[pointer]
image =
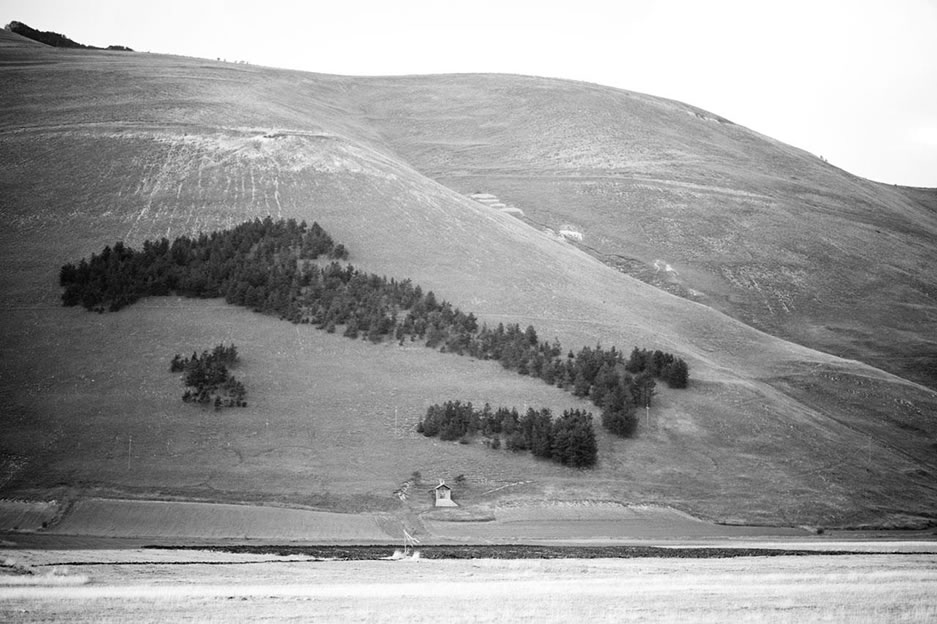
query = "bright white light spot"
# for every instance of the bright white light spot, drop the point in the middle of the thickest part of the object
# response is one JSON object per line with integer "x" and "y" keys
{"x": 926, "y": 135}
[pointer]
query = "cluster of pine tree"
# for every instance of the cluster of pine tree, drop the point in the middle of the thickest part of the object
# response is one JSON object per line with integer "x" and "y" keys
{"x": 247, "y": 264}
{"x": 207, "y": 379}
{"x": 372, "y": 307}
{"x": 269, "y": 267}
{"x": 569, "y": 439}
{"x": 376, "y": 308}
{"x": 614, "y": 385}
{"x": 662, "y": 365}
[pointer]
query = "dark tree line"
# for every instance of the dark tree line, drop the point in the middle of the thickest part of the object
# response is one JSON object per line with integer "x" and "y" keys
{"x": 55, "y": 39}
{"x": 247, "y": 263}
{"x": 207, "y": 380}
{"x": 662, "y": 365}
{"x": 269, "y": 266}
{"x": 568, "y": 440}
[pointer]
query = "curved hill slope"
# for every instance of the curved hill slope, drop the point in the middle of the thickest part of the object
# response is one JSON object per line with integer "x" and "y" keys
{"x": 103, "y": 146}
{"x": 691, "y": 202}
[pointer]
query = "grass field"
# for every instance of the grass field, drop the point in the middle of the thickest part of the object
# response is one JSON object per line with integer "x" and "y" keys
{"x": 99, "y": 147}
{"x": 153, "y": 586}
{"x": 330, "y": 423}
{"x": 478, "y": 523}
{"x": 300, "y": 440}
{"x": 183, "y": 520}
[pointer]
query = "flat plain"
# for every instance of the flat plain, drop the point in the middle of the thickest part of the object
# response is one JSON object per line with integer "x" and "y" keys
{"x": 172, "y": 586}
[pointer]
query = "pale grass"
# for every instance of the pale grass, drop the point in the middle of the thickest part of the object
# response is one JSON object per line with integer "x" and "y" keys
{"x": 43, "y": 580}
{"x": 859, "y": 588}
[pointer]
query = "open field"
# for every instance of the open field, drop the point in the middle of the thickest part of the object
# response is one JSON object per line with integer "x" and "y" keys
{"x": 156, "y": 586}
{"x": 330, "y": 425}
{"x": 591, "y": 522}
{"x": 165, "y": 521}
{"x": 480, "y": 531}
{"x": 330, "y": 421}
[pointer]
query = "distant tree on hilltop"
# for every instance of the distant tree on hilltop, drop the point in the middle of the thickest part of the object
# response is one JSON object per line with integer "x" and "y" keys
{"x": 54, "y": 39}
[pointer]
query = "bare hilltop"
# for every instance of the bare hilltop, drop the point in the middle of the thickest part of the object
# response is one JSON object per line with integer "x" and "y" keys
{"x": 803, "y": 297}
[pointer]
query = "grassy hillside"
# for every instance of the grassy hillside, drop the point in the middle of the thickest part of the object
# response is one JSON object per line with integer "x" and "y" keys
{"x": 691, "y": 202}
{"x": 103, "y": 146}
{"x": 44, "y": 37}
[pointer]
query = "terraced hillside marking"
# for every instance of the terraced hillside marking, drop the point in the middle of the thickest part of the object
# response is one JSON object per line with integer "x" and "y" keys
{"x": 492, "y": 201}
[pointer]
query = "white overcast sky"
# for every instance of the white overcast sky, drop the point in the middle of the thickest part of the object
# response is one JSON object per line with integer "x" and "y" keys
{"x": 852, "y": 80}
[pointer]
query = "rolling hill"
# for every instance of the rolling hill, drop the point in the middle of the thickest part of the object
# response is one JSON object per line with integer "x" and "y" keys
{"x": 54, "y": 39}
{"x": 779, "y": 264}
{"x": 690, "y": 202}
